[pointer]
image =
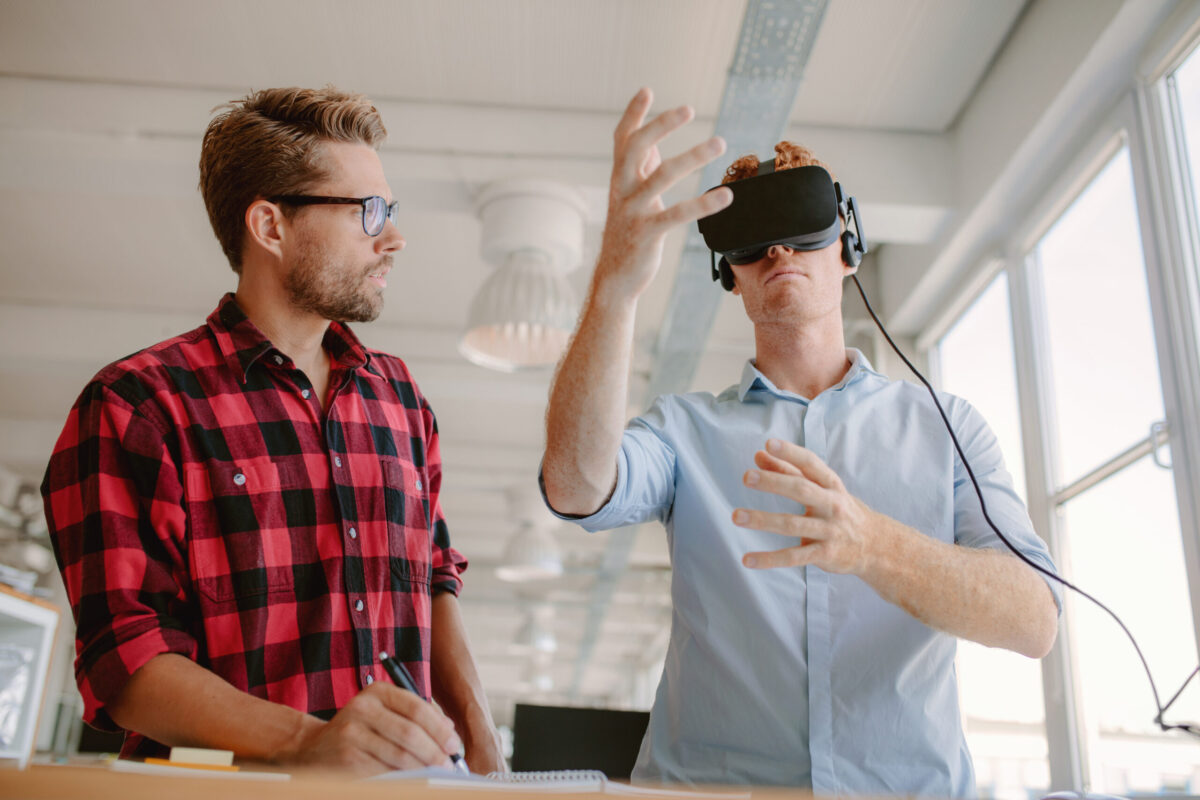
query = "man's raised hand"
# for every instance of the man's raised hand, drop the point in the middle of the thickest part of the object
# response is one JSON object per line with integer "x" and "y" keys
{"x": 638, "y": 222}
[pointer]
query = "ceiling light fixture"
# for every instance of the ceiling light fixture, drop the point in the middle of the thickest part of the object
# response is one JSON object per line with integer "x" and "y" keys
{"x": 523, "y": 314}
{"x": 536, "y": 634}
{"x": 532, "y": 554}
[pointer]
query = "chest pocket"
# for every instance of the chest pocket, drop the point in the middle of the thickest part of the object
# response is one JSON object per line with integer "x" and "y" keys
{"x": 410, "y": 540}
{"x": 240, "y": 542}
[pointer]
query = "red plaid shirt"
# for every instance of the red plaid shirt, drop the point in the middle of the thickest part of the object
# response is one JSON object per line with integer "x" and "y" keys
{"x": 201, "y": 502}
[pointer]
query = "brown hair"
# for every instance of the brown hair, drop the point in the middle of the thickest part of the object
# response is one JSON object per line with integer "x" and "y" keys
{"x": 787, "y": 156}
{"x": 269, "y": 143}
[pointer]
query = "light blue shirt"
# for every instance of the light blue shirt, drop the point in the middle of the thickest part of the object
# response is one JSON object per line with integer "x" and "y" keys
{"x": 797, "y": 676}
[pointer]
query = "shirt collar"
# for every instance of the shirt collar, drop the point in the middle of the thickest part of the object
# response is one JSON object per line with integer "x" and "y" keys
{"x": 753, "y": 380}
{"x": 242, "y": 344}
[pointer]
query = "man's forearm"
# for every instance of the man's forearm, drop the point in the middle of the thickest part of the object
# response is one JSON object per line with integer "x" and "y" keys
{"x": 588, "y": 405}
{"x": 457, "y": 687}
{"x": 590, "y": 392}
{"x": 988, "y": 597}
{"x": 174, "y": 700}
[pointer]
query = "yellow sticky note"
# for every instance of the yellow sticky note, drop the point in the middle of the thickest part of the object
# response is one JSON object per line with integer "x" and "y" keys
{"x": 200, "y": 755}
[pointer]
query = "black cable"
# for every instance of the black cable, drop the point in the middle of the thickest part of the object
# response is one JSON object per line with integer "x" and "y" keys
{"x": 1158, "y": 719}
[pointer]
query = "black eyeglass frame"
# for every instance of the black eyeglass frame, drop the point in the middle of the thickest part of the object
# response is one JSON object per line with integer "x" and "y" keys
{"x": 393, "y": 208}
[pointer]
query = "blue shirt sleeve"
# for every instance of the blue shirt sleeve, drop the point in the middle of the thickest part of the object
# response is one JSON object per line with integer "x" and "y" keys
{"x": 645, "y": 487}
{"x": 1004, "y": 505}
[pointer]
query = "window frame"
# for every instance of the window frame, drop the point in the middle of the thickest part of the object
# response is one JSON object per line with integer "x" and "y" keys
{"x": 1145, "y": 119}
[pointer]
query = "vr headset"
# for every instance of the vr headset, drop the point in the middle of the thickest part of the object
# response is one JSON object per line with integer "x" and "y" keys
{"x": 799, "y": 208}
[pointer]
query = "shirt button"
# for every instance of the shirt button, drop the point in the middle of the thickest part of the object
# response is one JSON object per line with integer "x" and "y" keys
{"x": 353, "y": 533}
{"x": 278, "y": 359}
{"x": 305, "y": 393}
{"x": 358, "y": 606}
{"x": 418, "y": 484}
{"x": 369, "y": 679}
{"x": 239, "y": 479}
{"x": 337, "y": 461}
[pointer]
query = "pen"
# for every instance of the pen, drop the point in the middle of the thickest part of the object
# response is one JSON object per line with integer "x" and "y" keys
{"x": 401, "y": 677}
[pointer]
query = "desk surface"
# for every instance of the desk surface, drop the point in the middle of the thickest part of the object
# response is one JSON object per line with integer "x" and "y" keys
{"x": 72, "y": 782}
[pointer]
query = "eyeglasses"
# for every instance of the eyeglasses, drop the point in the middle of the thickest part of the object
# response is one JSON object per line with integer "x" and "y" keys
{"x": 375, "y": 210}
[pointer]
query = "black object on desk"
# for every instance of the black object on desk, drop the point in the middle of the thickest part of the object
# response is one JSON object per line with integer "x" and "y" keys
{"x": 561, "y": 737}
{"x": 400, "y": 676}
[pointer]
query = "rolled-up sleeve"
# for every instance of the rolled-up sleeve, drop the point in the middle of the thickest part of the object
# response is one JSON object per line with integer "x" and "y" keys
{"x": 112, "y": 495}
{"x": 1004, "y": 505}
{"x": 448, "y": 563}
{"x": 645, "y": 487}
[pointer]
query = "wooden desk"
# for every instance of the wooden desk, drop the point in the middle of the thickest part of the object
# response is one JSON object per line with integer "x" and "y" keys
{"x": 71, "y": 782}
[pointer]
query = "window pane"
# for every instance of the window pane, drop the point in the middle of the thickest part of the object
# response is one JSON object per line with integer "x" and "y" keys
{"x": 1001, "y": 692}
{"x": 976, "y": 363}
{"x": 1187, "y": 86}
{"x": 1125, "y": 548}
{"x": 1103, "y": 364}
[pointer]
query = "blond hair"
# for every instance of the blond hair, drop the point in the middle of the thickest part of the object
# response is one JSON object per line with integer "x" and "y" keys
{"x": 269, "y": 143}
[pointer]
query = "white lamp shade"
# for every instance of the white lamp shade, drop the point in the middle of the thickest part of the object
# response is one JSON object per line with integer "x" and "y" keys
{"x": 535, "y": 636}
{"x": 521, "y": 317}
{"x": 532, "y": 554}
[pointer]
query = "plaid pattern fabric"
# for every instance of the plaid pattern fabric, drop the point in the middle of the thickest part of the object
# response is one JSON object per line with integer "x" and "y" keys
{"x": 201, "y": 502}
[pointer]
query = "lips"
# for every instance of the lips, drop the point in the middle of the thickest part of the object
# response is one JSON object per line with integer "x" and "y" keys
{"x": 785, "y": 272}
{"x": 379, "y": 275}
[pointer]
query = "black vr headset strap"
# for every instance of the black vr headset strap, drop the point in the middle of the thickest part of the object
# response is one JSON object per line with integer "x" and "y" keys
{"x": 854, "y": 246}
{"x": 722, "y": 272}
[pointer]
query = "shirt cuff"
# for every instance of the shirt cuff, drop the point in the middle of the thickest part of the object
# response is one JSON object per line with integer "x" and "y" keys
{"x": 596, "y": 520}
{"x": 103, "y": 676}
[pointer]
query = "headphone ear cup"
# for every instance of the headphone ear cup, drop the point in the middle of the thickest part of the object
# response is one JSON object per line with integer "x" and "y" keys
{"x": 850, "y": 254}
{"x": 726, "y": 275}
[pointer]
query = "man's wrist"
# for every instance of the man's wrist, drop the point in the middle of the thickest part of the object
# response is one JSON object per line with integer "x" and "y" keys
{"x": 304, "y": 730}
{"x": 885, "y": 551}
{"x": 610, "y": 293}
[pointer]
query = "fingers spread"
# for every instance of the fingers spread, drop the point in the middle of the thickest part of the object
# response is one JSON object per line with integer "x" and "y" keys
{"x": 631, "y": 153}
{"x": 788, "y": 557}
{"x": 767, "y": 461}
{"x": 804, "y": 459}
{"x": 634, "y": 114}
{"x": 792, "y": 486}
{"x": 673, "y": 169}
{"x": 694, "y": 208}
{"x": 803, "y": 528}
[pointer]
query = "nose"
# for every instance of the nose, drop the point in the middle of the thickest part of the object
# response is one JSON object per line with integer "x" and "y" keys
{"x": 778, "y": 251}
{"x": 389, "y": 239}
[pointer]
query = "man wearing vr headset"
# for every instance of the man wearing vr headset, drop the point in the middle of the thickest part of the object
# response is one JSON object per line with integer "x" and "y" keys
{"x": 826, "y": 545}
{"x": 246, "y": 515}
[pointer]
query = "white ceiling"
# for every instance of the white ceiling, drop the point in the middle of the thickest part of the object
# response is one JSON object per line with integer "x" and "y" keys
{"x": 106, "y": 246}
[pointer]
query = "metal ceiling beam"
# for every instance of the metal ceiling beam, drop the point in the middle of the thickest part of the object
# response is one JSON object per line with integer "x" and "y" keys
{"x": 764, "y": 78}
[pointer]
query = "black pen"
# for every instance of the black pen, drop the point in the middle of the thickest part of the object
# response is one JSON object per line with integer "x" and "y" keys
{"x": 400, "y": 676}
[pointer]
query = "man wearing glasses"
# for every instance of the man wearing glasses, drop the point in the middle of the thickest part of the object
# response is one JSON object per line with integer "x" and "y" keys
{"x": 246, "y": 515}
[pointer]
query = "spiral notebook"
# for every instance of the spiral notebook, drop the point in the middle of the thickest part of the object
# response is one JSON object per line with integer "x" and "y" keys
{"x": 567, "y": 780}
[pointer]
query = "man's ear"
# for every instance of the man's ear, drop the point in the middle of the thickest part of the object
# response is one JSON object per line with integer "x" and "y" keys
{"x": 265, "y": 225}
{"x": 736, "y": 290}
